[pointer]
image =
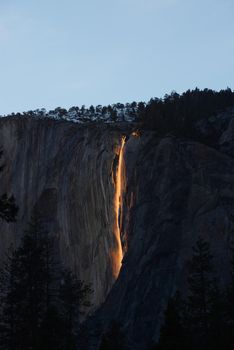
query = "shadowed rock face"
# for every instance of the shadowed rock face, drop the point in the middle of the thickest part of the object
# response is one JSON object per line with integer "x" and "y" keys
{"x": 64, "y": 171}
{"x": 175, "y": 191}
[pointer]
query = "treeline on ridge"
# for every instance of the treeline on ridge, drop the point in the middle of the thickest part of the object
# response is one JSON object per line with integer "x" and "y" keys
{"x": 174, "y": 113}
{"x": 178, "y": 114}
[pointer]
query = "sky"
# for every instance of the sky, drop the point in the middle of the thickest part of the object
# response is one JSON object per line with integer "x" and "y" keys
{"x": 72, "y": 52}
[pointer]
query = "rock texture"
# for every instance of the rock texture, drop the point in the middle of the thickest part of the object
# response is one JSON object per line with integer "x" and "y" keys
{"x": 64, "y": 171}
{"x": 175, "y": 190}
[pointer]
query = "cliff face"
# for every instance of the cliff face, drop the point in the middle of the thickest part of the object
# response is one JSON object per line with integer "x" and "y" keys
{"x": 176, "y": 191}
{"x": 64, "y": 171}
{"x": 173, "y": 191}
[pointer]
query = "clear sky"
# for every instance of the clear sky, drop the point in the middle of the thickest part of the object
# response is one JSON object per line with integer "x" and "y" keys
{"x": 73, "y": 52}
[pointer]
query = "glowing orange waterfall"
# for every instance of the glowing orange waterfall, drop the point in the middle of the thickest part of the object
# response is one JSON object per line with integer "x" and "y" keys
{"x": 117, "y": 253}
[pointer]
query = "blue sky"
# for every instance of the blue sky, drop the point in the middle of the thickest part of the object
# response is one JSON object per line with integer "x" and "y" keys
{"x": 73, "y": 52}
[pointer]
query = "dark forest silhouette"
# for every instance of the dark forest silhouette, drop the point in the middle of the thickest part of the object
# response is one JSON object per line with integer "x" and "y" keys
{"x": 40, "y": 302}
{"x": 204, "y": 317}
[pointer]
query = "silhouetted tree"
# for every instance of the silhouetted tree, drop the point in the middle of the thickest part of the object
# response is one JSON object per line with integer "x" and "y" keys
{"x": 173, "y": 331}
{"x": 178, "y": 114}
{"x": 74, "y": 295}
{"x": 104, "y": 110}
{"x": 198, "y": 320}
{"x": 217, "y": 336}
{"x": 91, "y": 109}
{"x": 8, "y": 207}
{"x": 9, "y": 302}
{"x": 35, "y": 312}
{"x": 32, "y": 286}
{"x": 200, "y": 292}
{"x": 60, "y": 111}
{"x": 113, "y": 113}
{"x": 114, "y": 338}
{"x": 230, "y": 305}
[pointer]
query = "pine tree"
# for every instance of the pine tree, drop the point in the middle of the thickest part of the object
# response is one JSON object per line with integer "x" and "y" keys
{"x": 114, "y": 338}
{"x": 74, "y": 296}
{"x": 9, "y": 301}
{"x": 200, "y": 292}
{"x": 40, "y": 305}
{"x": 230, "y": 305}
{"x": 198, "y": 321}
{"x": 216, "y": 337}
{"x": 113, "y": 115}
{"x": 173, "y": 333}
{"x": 8, "y": 207}
{"x": 26, "y": 286}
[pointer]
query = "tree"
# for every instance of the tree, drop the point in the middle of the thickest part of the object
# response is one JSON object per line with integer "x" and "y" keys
{"x": 61, "y": 112}
{"x": 114, "y": 338}
{"x": 113, "y": 115}
{"x": 98, "y": 109}
{"x": 8, "y": 207}
{"x": 179, "y": 114}
{"x": 33, "y": 314}
{"x": 140, "y": 111}
{"x": 201, "y": 293}
{"x": 74, "y": 295}
{"x": 92, "y": 109}
{"x": 217, "y": 336}
{"x": 173, "y": 333}
{"x": 200, "y": 320}
{"x": 27, "y": 288}
{"x": 9, "y": 306}
{"x": 82, "y": 110}
{"x": 230, "y": 304}
{"x": 104, "y": 110}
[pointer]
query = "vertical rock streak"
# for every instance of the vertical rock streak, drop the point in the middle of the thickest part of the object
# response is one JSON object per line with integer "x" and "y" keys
{"x": 117, "y": 253}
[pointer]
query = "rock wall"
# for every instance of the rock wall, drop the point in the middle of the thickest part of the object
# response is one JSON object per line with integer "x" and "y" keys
{"x": 175, "y": 190}
{"x": 65, "y": 171}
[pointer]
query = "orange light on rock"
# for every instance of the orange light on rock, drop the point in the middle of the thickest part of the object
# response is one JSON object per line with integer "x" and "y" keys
{"x": 117, "y": 253}
{"x": 136, "y": 133}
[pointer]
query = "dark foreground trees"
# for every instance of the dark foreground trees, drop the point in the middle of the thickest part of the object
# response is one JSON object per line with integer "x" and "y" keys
{"x": 8, "y": 207}
{"x": 114, "y": 338}
{"x": 229, "y": 305}
{"x": 40, "y": 303}
{"x": 172, "y": 334}
{"x": 201, "y": 291}
{"x": 203, "y": 319}
{"x": 74, "y": 298}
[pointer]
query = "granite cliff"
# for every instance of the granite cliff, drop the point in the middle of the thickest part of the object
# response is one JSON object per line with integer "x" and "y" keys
{"x": 65, "y": 172}
{"x": 172, "y": 190}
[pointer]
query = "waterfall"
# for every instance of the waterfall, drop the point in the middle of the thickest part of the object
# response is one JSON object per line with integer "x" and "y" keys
{"x": 117, "y": 253}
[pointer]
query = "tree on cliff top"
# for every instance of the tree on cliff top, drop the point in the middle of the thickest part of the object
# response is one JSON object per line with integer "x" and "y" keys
{"x": 178, "y": 114}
